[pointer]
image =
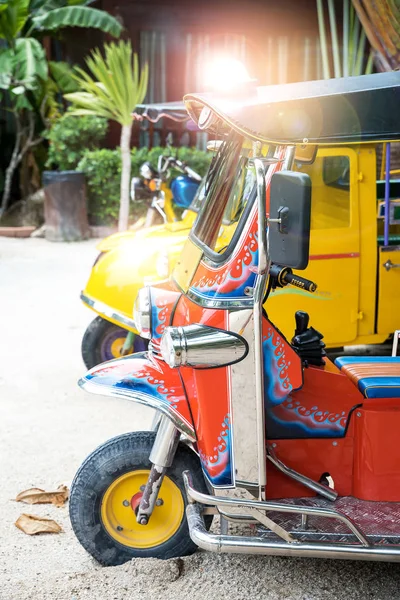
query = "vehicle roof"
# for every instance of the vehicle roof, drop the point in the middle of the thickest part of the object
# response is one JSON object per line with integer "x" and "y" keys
{"x": 332, "y": 111}
{"x": 175, "y": 111}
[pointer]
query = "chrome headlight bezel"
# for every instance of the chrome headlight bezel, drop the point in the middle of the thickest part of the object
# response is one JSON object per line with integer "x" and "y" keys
{"x": 142, "y": 312}
{"x": 201, "y": 347}
{"x": 172, "y": 346}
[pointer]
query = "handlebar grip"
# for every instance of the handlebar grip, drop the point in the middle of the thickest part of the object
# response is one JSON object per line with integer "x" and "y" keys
{"x": 300, "y": 282}
{"x": 192, "y": 173}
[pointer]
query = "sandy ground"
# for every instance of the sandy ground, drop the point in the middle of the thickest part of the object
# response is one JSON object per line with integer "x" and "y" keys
{"x": 48, "y": 426}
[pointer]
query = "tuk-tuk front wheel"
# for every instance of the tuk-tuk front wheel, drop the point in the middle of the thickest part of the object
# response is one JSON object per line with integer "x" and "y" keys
{"x": 104, "y": 341}
{"x": 106, "y": 492}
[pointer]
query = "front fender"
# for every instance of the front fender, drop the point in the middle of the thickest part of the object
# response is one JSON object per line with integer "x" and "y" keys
{"x": 146, "y": 380}
{"x": 128, "y": 262}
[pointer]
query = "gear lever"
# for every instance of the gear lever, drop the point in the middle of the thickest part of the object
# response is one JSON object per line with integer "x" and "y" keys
{"x": 302, "y": 320}
{"x": 307, "y": 341}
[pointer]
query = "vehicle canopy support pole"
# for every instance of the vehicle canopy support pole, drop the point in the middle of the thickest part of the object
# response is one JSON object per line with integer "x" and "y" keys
{"x": 387, "y": 196}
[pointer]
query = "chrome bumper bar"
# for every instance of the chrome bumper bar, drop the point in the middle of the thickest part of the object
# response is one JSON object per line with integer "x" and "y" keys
{"x": 256, "y": 545}
{"x": 108, "y": 313}
{"x": 361, "y": 549}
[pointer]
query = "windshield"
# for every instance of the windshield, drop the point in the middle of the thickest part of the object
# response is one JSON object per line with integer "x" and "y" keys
{"x": 237, "y": 199}
{"x": 227, "y": 190}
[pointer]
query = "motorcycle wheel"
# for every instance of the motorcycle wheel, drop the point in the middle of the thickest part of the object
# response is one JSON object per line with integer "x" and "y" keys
{"x": 103, "y": 341}
{"x": 105, "y": 492}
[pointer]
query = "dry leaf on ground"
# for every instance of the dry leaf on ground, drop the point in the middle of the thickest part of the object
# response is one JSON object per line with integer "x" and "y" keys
{"x": 32, "y": 525}
{"x": 38, "y": 496}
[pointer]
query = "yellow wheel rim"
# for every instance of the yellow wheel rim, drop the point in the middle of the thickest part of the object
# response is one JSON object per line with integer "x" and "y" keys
{"x": 117, "y": 346}
{"x": 119, "y": 519}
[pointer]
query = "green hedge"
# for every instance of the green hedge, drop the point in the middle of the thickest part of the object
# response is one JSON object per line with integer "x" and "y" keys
{"x": 71, "y": 137}
{"x": 102, "y": 169}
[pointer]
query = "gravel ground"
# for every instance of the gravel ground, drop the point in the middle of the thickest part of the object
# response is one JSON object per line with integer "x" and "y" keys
{"x": 48, "y": 426}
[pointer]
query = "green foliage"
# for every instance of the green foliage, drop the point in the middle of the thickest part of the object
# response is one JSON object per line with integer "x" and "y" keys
{"x": 102, "y": 169}
{"x": 62, "y": 75}
{"x": 70, "y": 137}
{"x": 32, "y": 90}
{"x": 78, "y": 16}
{"x": 23, "y": 64}
{"x": 343, "y": 50}
{"x": 115, "y": 86}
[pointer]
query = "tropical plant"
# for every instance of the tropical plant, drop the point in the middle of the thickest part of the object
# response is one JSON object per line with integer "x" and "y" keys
{"x": 381, "y": 22}
{"x": 113, "y": 89}
{"x": 70, "y": 137}
{"x": 26, "y": 77}
{"x": 348, "y": 57}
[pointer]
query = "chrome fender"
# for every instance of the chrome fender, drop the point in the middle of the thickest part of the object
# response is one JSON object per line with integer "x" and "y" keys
{"x": 143, "y": 379}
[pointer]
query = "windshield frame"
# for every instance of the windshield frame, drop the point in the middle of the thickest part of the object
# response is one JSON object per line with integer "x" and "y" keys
{"x": 220, "y": 257}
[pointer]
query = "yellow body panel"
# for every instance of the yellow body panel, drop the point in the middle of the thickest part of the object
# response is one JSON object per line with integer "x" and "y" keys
{"x": 131, "y": 260}
{"x": 343, "y": 259}
{"x": 168, "y": 203}
{"x": 334, "y": 259}
{"x": 187, "y": 264}
{"x": 389, "y": 289}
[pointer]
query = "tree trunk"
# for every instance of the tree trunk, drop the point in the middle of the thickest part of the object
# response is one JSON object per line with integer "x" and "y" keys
{"x": 125, "y": 177}
{"x": 13, "y": 164}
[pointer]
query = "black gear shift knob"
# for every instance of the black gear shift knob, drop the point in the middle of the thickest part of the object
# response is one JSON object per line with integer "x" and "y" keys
{"x": 302, "y": 320}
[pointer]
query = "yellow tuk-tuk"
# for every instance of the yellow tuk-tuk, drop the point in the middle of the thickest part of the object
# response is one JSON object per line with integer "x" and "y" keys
{"x": 354, "y": 253}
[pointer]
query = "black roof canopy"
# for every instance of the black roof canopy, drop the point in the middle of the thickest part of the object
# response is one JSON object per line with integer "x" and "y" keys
{"x": 333, "y": 111}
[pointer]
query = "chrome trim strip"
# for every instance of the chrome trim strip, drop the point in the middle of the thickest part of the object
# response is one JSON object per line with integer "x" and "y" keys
{"x": 259, "y": 292}
{"x": 256, "y": 545}
{"x": 320, "y": 489}
{"x": 108, "y": 312}
{"x": 195, "y": 496}
{"x": 242, "y": 390}
{"x": 289, "y": 158}
{"x": 141, "y": 398}
{"x": 221, "y": 303}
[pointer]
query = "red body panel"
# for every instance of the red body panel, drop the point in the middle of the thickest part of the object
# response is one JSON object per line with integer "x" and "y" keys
{"x": 208, "y": 395}
{"x": 377, "y": 451}
{"x": 312, "y": 457}
{"x": 143, "y": 376}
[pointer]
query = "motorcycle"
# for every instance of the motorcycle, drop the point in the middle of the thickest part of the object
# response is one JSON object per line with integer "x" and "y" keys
{"x": 152, "y": 185}
{"x": 252, "y": 427}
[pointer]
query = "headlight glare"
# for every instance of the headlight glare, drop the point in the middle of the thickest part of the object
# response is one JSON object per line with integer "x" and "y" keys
{"x": 162, "y": 265}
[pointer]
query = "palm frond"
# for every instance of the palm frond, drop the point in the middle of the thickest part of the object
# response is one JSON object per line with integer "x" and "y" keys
{"x": 369, "y": 26}
{"x": 353, "y": 58}
{"x": 78, "y": 16}
{"x": 114, "y": 86}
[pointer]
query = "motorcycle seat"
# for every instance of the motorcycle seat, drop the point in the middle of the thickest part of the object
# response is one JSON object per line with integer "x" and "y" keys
{"x": 375, "y": 376}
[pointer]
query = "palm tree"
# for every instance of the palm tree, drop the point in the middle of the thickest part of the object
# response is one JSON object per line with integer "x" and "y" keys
{"x": 28, "y": 79}
{"x": 112, "y": 91}
{"x": 348, "y": 57}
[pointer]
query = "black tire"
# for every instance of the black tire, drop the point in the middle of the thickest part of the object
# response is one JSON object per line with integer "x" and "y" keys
{"x": 120, "y": 455}
{"x": 97, "y": 340}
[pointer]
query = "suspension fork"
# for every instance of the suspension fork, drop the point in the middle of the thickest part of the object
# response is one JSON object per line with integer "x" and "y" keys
{"x": 161, "y": 456}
